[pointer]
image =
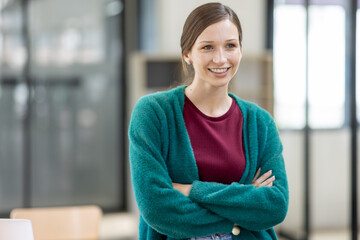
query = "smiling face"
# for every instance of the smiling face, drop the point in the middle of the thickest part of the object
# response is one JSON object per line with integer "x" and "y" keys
{"x": 216, "y": 54}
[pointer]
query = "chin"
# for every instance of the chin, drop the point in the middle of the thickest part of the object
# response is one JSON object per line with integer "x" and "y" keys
{"x": 221, "y": 83}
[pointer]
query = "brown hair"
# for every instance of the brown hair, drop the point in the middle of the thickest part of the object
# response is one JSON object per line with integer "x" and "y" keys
{"x": 199, "y": 19}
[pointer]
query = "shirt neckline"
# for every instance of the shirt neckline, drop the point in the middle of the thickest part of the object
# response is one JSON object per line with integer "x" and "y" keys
{"x": 215, "y": 119}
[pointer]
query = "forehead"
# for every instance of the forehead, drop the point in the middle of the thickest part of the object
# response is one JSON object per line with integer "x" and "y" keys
{"x": 222, "y": 30}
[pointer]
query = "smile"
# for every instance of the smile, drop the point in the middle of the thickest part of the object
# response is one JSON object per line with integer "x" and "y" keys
{"x": 219, "y": 70}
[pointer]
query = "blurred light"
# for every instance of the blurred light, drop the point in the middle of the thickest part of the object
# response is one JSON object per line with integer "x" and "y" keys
{"x": 70, "y": 41}
{"x": 87, "y": 118}
{"x": 326, "y": 68}
{"x": 15, "y": 56}
{"x": 21, "y": 95}
{"x": 114, "y": 8}
{"x": 71, "y": 38}
{"x": 43, "y": 55}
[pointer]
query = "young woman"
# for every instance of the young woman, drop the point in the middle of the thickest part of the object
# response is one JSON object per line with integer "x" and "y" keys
{"x": 203, "y": 161}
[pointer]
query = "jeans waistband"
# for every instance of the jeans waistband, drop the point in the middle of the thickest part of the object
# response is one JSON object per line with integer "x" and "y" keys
{"x": 216, "y": 236}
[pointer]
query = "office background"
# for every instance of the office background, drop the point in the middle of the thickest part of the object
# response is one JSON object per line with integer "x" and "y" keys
{"x": 72, "y": 70}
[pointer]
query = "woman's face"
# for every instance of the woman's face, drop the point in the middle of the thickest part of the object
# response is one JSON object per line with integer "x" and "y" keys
{"x": 216, "y": 54}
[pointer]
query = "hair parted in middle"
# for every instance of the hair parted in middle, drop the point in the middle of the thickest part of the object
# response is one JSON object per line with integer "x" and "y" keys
{"x": 199, "y": 19}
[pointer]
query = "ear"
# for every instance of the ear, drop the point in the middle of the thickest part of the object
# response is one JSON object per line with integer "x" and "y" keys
{"x": 241, "y": 52}
{"x": 187, "y": 57}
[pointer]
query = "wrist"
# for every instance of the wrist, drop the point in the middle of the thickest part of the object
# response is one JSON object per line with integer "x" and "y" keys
{"x": 183, "y": 188}
{"x": 187, "y": 189}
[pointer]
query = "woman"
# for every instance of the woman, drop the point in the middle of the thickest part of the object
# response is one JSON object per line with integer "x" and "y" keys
{"x": 197, "y": 151}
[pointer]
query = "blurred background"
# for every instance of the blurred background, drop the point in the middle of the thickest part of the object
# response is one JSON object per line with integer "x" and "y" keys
{"x": 71, "y": 71}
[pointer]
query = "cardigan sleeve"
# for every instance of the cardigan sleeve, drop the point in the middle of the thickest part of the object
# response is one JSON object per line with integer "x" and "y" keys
{"x": 163, "y": 208}
{"x": 250, "y": 207}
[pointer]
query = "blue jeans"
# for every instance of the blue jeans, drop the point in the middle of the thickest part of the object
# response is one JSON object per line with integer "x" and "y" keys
{"x": 216, "y": 236}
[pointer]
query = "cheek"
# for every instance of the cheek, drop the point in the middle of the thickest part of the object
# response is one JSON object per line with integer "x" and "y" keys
{"x": 235, "y": 58}
{"x": 201, "y": 61}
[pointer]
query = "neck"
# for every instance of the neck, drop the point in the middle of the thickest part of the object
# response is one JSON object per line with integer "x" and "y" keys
{"x": 212, "y": 101}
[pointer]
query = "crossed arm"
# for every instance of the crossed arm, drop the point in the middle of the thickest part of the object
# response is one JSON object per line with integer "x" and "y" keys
{"x": 266, "y": 180}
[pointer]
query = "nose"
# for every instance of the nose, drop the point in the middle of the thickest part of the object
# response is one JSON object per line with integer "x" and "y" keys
{"x": 219, "y": 56}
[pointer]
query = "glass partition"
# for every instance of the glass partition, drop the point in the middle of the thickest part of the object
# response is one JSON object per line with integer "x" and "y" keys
{"x": 76, "y": 96}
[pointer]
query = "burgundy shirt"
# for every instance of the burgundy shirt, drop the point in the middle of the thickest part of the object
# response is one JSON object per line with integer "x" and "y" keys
{"x": 217, "y": 143}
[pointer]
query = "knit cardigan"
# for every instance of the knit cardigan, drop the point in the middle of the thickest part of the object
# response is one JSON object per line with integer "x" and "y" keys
{"x": 161, "y": 153}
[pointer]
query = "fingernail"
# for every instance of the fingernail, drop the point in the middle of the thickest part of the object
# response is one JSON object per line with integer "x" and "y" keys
{"x": 270, "y": 171}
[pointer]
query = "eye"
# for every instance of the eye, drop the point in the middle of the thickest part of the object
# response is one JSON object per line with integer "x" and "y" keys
{"x": 231, "y": 45}
{"x": 207, "y": 47}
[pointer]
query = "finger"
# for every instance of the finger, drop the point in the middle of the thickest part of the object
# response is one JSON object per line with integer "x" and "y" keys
{"x": 256, "y": 175}
{"x": 176, "y": 186}
{"x": 268, "y": 181}
{"x": 263, "y": 177}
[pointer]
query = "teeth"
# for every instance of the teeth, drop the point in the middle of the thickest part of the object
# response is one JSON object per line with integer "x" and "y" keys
{"x": 218, "y": 70}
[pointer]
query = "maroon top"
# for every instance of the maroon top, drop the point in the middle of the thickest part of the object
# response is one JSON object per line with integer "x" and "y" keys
{"x": 217, "y": 143}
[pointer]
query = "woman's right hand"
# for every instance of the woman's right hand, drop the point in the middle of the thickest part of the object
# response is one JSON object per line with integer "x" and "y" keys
{"x": 266, "y": 180}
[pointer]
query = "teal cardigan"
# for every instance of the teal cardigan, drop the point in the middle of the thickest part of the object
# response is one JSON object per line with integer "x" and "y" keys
{"x": 161, "y": 153}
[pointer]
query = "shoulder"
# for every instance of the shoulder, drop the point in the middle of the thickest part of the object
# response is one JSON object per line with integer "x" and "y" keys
{"x": 252, "y": 111}
{"x": 162, "y": 97}
{"x": 161, "y": 102}
{"x": 259, "y": 125}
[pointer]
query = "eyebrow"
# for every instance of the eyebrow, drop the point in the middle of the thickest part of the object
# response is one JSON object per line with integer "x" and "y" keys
{"x": 229, "y": 40}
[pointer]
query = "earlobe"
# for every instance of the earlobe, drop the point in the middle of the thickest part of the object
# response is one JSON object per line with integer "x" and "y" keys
{"x": 187, "y": 58}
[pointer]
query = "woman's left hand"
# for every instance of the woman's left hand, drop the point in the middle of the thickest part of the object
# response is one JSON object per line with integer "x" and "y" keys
{"x": 183, "y": 188}
{"x": 266, "y": 180}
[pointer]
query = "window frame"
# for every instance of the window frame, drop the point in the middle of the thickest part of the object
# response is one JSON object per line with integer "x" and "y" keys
{"x": 270, "y": 46}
